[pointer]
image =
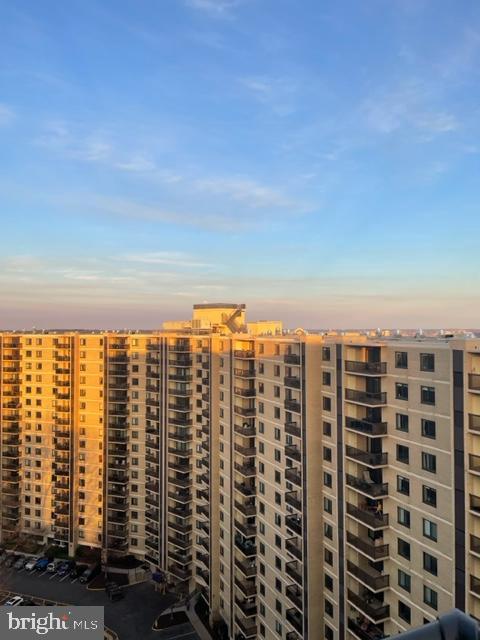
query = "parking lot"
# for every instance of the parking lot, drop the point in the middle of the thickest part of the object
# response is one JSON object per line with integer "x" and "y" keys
{"x": 130, "y": 618}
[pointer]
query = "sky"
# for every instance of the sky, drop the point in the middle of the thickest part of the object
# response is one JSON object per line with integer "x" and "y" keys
{"x": 316, "y": 160}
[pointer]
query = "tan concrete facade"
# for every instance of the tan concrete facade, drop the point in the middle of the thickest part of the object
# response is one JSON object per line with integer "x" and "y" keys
{"x": 307, "y": 486}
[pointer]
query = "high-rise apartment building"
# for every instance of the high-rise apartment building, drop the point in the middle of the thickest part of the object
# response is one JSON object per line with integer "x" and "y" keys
{"x": 307, "y": 486}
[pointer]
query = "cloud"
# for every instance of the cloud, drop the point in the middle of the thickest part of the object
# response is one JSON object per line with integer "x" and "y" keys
{"x": 407, "y": 108}
{"x": 277, "y": 93}
{"x": 246, "y": 191}
{"x": 6, "y": 115}
{"x": 174, "y": 258}
{"x": 215, "y": 7}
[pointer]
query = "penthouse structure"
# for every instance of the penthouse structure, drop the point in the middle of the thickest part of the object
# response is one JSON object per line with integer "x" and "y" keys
{"x": 305, "y": 485}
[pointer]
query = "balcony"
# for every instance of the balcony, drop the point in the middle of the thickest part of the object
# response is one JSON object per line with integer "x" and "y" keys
{"x": 372, "y": 518}
{"x": 248, "y": 530}
{"x": 247, "y": 509}
{"x": 181, "y": 558}
{"x": 118, "y": 478}
{"x": 365, "y": 427}
{"x": 295, "y": 619}
{"x": 293, "y": 569}
{"x": 294, "y": 546}
{"x": 372, "y": 578}
{"x": 366, "y": 368}
{"x": 181, "y": 436}
{"x": 180, "y": 541}
{"x": 475, "y": 504}
{"x": 372, "y": 489}
{"x": 291, "y": 498}
{"x": 245, "y": 411}
{"x": 245, "y": 489}
{"x": 371, "y": 549}
{"x": 473, "y": 422}
{"x": 475, "y": 585}
{"x": 246, "y": 430}
{"x": 295, "y": 594}
{"x": 292, "y": 474}
{"x": 180, "y": 362}
{"x": 368, "y": 398}
{"x": 474, "y": 463}
{"x": 247, "y": 607}
{"x": 247, "y": 470}
{"x": 292, "y": 381}
{"x": 291, "y": 358}
{"x": 474, "y": 382}
{"x": 365, "y": 630}
{"x": 293, "y": 452}
{"x": 293, "y": 429}
{"x": 248, "y": 628}
{"x": 248, "y": 452}
{"x": 180, "y": 347}
{"x": 371, "y": 607}
{"x": 178, "y": 572}
{"x": 292, "y": 405}
{"x": 247, "y": 587}
{"x": 246, "y": 546}
{"x": 249, "y": 568}
{"x": 366, "y": 457}
{"x": 180, "y": 496}
{"x": 245, "y": 373}
{"x": 294, "y": 523}
{"x": 247, "y": 354}
{"x": 184, "y": 483}
{"x": 244, "y": 393}
{"x": 474, "y": 544}
{"x": 180, "y": 377}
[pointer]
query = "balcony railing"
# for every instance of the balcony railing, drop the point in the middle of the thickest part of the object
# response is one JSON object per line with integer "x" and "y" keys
{"x": 293, "y": 429}
{"x": 292, "y": 451}
{"x": 474, "y": 381}
{"x": 375, "y": 580}
{"x": 292, "y": 474}
{"x": 248, "y": 628}
{"x": 372, "y": 489}
{"x": 474, "y": 422}
{"x": 366, "y": 368}
{"x": 295, "y": 619}
{"x": 365, "y": 631}
{"x": 366, "y": 427}
{"x": 294, "y": 571}
{"x": 366, "y": 397}
{"x": 292, "y": 381}
{"x": 373, "y": 519}
{"x": 474, "y": 463}
{"x": 367, "y": 457}
{"x": 293, "y": 546}
{"x": 291, "y": 358}
{"x": 373, "y": 608}
{"x": 372, "y": 550}
{"x": 292, "y": 405}
{"x": 474, "y": 544}
{"x": 295, "y": 594}
{"x": 294, "y": 523}
{"x": 291, "y": 498}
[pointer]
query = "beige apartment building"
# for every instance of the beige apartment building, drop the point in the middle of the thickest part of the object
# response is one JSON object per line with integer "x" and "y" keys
{"x": 303, "y": 485}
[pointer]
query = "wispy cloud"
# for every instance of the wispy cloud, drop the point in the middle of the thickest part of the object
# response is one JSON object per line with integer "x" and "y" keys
{"x": 171, "y": 258}
{"x": 219, "y": 8}
{"x": 407, "y": 107}
{"x": 247, "y": 191}
{"x": 6, "y": 115}
{"x": 279, "y": 94}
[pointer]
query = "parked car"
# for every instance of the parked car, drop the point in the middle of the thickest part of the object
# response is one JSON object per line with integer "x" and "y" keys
{"x": 10, "y": 561}
{"x": 67, "y": 566}
{"x": 90, "y": 573}
{"x": 14, "y": 602}
{"x": 53, "y": 566}
{"x": 31, "y": 562}
{"x": 19, "y": 562}
{"x": 28, "y": 603}
{"x": 42, "y": 564}
{"x": 78, "y": 570}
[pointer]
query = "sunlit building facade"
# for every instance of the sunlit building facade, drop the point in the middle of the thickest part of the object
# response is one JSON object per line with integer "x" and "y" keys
{"x": 305, "y": 486}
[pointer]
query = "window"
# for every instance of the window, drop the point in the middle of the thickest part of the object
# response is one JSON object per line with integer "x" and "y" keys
{"x": 328, "y": 531}
{"x": 401, "y": 391}
{"x": 327, "y": 479}
{"x": 403, "y": 548}
{"x": 404, "y": 612}
{"x": 430, "y": 597}
{"x": 326, "y": 378}
{"x": 327, "y": 429}
{"x": 429, "y": 496}
{"x": 401, "y": 360}
{"x": 430, "y": 563}
{"x": 328, "y": 555}
{"x": 326, "y": 354}
{"x": 429, "y": 462}
{"x": 403, "y": 485}
{"x": 427, "y": 362}
{"x": 403, "y": 516}
{"x": 328, "y": 633}
{"x": 404, "y": 580}
{"x": 427, "y": 395}
{"x": 328, "y": 581}
{"x": 429, "y": 429}
{"x": 403, "y": 453}
{"x": 327, "y": 454}
{"x": 328, "y": 608}
{"x": 430, "y": 530}
{"x": 327, "y": 505}
{"x": 401, "y": 422}
{"x": 327, "y": 404}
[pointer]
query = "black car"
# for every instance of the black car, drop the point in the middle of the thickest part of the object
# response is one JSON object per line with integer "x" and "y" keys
{"x": 90, "y": 573}
{"x": 66, "y": 567}
{"x": 78, "y": 571}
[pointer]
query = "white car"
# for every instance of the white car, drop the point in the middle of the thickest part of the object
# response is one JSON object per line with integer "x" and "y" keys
{"x": 52, "y": 567}
{"x": 30, "y": 565}
{"x": 14, "y": 602}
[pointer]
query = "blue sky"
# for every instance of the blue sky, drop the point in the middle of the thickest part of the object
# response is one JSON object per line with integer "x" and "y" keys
{"x": 316, "y": 160}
